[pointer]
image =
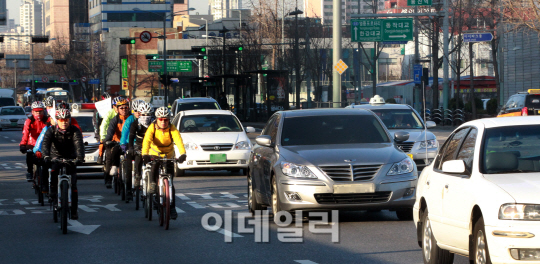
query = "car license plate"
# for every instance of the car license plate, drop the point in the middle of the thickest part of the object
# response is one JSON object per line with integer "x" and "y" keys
{"x": 216, "y": 158}
{"x": 354, "y": 188}
{"x": 410, "y": 156}
{"x": 14, "y": 124}
{"x": 90, "y": 158}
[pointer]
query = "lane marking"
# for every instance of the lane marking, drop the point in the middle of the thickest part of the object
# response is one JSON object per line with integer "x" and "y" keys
{"x": 305, "y": 261}
{"x": 178, "y": 210}
{"x": 13, "y": 140}
{"x": 5, "y": 137}
{"x": 228, "y": 233}
{"x": 196, "y": 205}
{"x": 182, "y": 197}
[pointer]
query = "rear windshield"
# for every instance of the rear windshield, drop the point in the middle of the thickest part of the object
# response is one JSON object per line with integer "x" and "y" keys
{"x": 333, "y": 129}
{"x": 533, "y": 101}
{"x": 85, "y": 122}
{"x": 7, "y": 102}
{"x": 197, "y": 105}
{"x": 12, "y": 111}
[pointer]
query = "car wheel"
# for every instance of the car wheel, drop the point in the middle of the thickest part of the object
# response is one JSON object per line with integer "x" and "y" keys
{"x": 481, "y": 252}
{"x": 405, "y": 215}
{"x": 276, "y": 207}
{"x": 253, "y": 204}
{"x": 430, "y": 250}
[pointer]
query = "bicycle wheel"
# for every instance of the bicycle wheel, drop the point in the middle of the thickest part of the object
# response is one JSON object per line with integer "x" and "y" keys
{"x": 149, "y": 199}
{"x": 161, "y": 209}
{"x": 122, "y": 179}
{"x": 40, "y": 185}
{"x": 65, "y": 206}
{"x": 167, "y": 204}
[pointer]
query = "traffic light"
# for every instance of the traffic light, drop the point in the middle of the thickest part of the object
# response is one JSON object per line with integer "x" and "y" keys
{"x": 1, "y": 38}
{"x": 152, "y": 56}
{"x": 236, "y": 48}
{"x": 165, "y": 79}
{"x": 199, "y": 50}
{"x": 40, "y": 39}
{"x": 52, "y": 81}
{"x": 1, "y": 55}
{"x": 201, "y": 57}
{"x": 127, "y": 41}
{"x": 60, "y": 62}
{"x": 425, "y": 76}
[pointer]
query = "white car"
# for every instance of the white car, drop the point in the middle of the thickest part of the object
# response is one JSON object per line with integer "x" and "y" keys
{"x": 12, "y": 117}
{"x": 91, "y": 145}
{"x": 193, "y": 103}
{"x": 214, "y": 140}
{"x": 481, "y": 195}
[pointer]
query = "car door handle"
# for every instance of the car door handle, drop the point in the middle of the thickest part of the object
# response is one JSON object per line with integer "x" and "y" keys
{"x": 446, "y": 186}
{"x": 427, "y": 183}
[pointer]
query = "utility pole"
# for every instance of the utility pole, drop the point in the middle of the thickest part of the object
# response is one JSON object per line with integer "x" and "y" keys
{"x": 336, "y": 45}
{"x": 471, "y": 83}
{"x": 308, "y": 79}
{"x": 446, "y": 90}
{"x": 297, "y": 59}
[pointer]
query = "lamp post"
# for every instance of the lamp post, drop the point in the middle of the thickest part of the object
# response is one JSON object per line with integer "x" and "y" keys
{"x": 206, "y": 28}
{"x": 166, "y": 89}
{"x": 295, "y": 13}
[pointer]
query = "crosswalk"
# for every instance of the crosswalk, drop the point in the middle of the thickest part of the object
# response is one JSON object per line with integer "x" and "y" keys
{"x": 12, "y": 166}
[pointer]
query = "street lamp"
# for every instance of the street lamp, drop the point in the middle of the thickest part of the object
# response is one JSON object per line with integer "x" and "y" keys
{"x": 32, "y": 65}
{"x": 136, "y": 9}
{"x": 295, "y": 13}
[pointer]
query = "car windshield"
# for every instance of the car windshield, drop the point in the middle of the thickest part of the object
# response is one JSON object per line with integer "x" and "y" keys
{"x": 209, "y": 123}
{"x": 399, "y": 118}
{"x": 511, "y": 149}
{"x": 197, "y": 105}
{"x": 6, "y": 102}
{"x": 12, "y": 111}
{"x": 85, "y": 122}
{"x": 332, "y": 129}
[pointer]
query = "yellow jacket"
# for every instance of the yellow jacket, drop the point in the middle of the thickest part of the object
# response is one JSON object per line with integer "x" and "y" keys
{"x": 158, "y": 142}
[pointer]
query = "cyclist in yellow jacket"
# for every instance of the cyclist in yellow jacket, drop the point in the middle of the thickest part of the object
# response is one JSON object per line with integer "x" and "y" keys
{"x": 159, "y": 140}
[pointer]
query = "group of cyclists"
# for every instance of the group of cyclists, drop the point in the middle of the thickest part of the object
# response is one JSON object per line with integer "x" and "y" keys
{"x": 132, "y": 129}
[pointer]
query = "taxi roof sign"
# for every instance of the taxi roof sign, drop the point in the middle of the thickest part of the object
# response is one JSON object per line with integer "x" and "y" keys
{"x": 533, "y": 91}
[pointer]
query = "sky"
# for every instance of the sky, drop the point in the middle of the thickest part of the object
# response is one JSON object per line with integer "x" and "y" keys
{"x": 13, "y": 7}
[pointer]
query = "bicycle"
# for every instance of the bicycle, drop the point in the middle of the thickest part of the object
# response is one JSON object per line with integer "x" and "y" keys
{"x": 145, "y": 196}
{"x": 116, "y": 184}
{"x": 164, "y": 197}
{"x": 61, "y": 204}
{"x": 38, "y": 182}
{"x": 137, "y": 194}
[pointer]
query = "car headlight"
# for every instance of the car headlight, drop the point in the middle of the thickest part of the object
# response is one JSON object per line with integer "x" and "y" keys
{"x": 242, "y": 145}
{"x": 529, "y": 212}
{"x": 432, "y": 143}
{"x": 297, "y": 171}
{"x": 402, "y": 167}
{"x": 191, "y": 146}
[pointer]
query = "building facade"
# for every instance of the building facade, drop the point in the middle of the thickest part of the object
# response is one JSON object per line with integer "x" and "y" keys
{"x": 221, "y": 8}
{"x": 60, "y": 26}
{"x": 324, "y": 9}
{"x": 31, "y": 18}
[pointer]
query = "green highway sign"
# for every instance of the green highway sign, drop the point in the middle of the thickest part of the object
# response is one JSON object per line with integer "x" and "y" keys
{"x": 419, "y": 2}
{"x": 376, "y": 30}
{"x": 172, "y": 66}
{"x": 366, "y": 30}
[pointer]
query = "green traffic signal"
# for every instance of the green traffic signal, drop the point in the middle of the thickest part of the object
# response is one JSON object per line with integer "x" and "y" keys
{"x": 132, "y": 41}
{"x": 205, "y": 57}
{"x": 155, "y": 57}
{"x": 203, "y": 49}
{"x": 240, "y": 48}
{"x": 36, "y": 81}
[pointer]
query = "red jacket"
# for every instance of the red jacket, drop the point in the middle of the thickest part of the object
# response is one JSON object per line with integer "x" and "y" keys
{"x": 32, "y": 129}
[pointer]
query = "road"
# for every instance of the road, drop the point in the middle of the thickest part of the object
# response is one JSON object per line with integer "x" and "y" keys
{"x": 112, "y": 231}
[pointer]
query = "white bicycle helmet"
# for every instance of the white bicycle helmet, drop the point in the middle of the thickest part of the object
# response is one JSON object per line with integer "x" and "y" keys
{"x": 145, "y": 108}
{"x": 49, "y": 101}
{"x": 63, "y": 114}
{"x": 163, "y": 112}
{"x": 37, "y": 104}
{"x": 135, "y": 104}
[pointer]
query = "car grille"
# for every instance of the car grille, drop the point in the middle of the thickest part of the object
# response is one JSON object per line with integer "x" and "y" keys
{"x": 351, "y": 172}
{"x": 352, "y": 198}
{"x": 14, "y": 120}
{"x": 217, "y": 147}
{"x": 206, "y": 162}
{"x": 405, "y": 146}
{"x": 88, "y": 149}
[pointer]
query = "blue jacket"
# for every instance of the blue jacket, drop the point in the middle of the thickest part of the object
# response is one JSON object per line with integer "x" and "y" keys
{"x": 39, "y": 141}
{"x": 125, "y": 130}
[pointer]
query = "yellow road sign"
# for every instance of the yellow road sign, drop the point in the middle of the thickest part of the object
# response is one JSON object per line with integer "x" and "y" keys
{"x": 341, "y": 67}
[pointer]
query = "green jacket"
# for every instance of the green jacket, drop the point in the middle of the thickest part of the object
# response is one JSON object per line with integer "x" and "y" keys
{"x": 105, "y": 124}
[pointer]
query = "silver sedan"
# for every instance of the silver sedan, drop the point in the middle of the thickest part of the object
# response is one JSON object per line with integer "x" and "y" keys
{"x": 328, "y": 159}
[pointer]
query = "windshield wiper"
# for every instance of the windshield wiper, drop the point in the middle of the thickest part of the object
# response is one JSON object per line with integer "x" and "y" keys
{"x": 512, "y": 171}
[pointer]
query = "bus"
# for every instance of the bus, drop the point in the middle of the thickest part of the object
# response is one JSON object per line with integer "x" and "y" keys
{"x": 58, "y": 93}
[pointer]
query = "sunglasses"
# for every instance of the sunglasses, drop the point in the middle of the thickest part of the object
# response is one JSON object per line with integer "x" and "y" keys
{"x": 163, "y": 119}
{"x": 123, "y": 108}
{"x": 63, "y": 120}
{"x": 145, "y": 115}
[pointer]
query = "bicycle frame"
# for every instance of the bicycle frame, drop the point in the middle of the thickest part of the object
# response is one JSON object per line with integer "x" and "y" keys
{"x": 164, "y": 174}
{"x": 62, "y": 176}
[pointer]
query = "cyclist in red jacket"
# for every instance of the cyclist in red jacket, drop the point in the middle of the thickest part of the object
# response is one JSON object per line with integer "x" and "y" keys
{"x": 32, "y": 129}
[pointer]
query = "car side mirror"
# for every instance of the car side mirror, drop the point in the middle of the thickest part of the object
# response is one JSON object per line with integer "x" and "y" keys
{"x": 454, "y": 166}
{"x": 250, "y": 129}
{"x": 430, "y": 124}
{"x": 264, "y": 140}
{"x": 401, "y": 136}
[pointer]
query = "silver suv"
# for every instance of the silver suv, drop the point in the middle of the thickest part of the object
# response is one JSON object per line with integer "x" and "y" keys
{"x": 401, "y": 117}
{"x": 194, "y": 103}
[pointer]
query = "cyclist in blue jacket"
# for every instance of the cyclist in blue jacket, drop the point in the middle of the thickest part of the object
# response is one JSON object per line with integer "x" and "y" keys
{"x": 124, "y": 145}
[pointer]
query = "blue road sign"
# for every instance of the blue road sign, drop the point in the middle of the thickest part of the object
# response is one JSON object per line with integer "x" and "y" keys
{"x": 418, "y": 73}
{"x": 477, "y": 37}
{"x": 93, "y": 81}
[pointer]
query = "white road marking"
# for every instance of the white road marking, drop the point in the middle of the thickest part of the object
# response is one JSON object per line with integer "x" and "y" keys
{"x": 228, "y": 233}
{"x": 182, "y": 197}
{"x": 18, "y": 167}
{"x": 4, "y": 164}
{"x": 228, "y": 195}
{"x": 178, "y": 210}
{"x": 305, "y": 261}
{"x": 13, "y": 140}
{"x": 196, "y": 205}
{"x": 7, "y": 167}
{"x": 5, "y": 137}
{"x": 76, "y": 226}
{"x": 20, "y": 164}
